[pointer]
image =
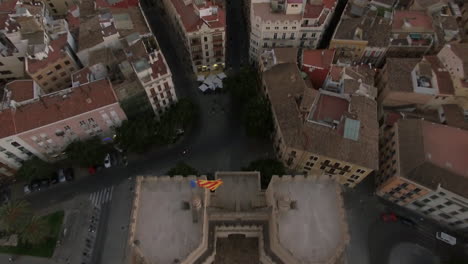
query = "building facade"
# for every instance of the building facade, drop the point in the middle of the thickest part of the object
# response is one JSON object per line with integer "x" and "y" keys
{"x": 287, "y": 24}
{"x": 59, "y": 7}
{"x": 321, "y": 129}
{"x": 423, "y": 168}
{"x": 44, "y": 125}
{"x": 201, "y": 25}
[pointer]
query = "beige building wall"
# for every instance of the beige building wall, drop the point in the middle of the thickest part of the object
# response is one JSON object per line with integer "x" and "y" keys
{"x": 452, "y": 62}
{"x": 353, "y": 49}
{"x": 56, "y": 76}
{"x": 59, "y": 7}
{"x": 306, "y": 162}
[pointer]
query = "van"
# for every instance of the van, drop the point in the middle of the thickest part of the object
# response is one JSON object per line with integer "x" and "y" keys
{"x": 446, "y": 238}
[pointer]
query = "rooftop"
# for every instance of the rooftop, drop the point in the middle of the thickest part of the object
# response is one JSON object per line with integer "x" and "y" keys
{"x": 57, "y": 52}
{"x": 57, "y": 106}
{"x": 285, "y": 88}
{"x": 399, "y": 73}
{"x": 238, "y": 191}
{"x": 21, "y": 90}
{"x": 192, "y": 21}
{"x": 370, "y": 27}
{"x": 277, "y": 56}
{"x": 318, "y": 58}
{"x": 444, "y": 80}
{"x": 263, "y": 10}
{"x": 454, "y": 116}
{"x": 433, "y": 154}
{"x": 412, "y": 21}
{"x": 315, "y": 229}
{"x": 164, "y": 225}
{"x": 329, "y": 108}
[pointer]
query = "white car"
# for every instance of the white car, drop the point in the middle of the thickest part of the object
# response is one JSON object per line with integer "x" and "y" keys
{"x": 26, "y": 189}
{"x": 61, "y": 175}
{"x": 107, "y": 161}
{"x": 446, "y": 238}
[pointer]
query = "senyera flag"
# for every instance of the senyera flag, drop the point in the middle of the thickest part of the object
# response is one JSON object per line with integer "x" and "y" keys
{"x": 212, "y": 185}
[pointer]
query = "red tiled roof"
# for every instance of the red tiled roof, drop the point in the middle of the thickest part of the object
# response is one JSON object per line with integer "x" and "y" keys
{"x": 53, "y": 108}
{"x": 8, "y": 124}
{"x": 73, "y": 21}
{"x": 335, "y": 73}
{"x": 392, "y": 118}
{"x": 81, "y": 76}
{"x": 417, "y": 19}
{"x": 329, "y": 3}
{"x": 21, "y": 90}
{"x": 330, "y": 108}
{"x": 313, "y": 11}
{"x": 318, "y": 58}
{"x": 158, "y": 67}
{"x": 192, "y": 21}
{"x": 8, "y": 5}
{"x": 34, "y": 65}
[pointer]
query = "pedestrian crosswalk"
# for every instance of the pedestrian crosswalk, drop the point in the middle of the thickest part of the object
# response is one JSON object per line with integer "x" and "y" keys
{"x": 102, "y": 196}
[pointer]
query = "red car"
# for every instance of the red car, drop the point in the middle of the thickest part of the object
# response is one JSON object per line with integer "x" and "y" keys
{"x": 388, "y": 217}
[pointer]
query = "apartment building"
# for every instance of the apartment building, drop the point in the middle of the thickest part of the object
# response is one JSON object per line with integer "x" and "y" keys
{"x": 287, "y": 23}
{"x": 324, "y": 129}
{"x": 59, "y": 7}
{"x": 362, "y": 35}
{"x": 412, "y": 34}
{"x": 423, "y": 168}
{"x": 317, "y": 64}
{"x": 420, "y": 83}
{"x": 53, "y": 66}
{"x": 43, "y": 125}
{"x": 201, "y": 25}
{"x": 121, "y": 40}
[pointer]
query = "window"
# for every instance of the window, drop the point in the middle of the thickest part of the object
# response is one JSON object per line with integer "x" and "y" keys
{"x": 275, "y": 35}
{"x": 404, "y": 185}
{"x": 66, "y": 62}
{"x": 430, "y": 210}
{"x": 418, "y": 204}
{"x": 276, "y": 27}
{"x": 285, "y": 28}
{"x": 72, "y": 69}
{"x": 267, "y": 28}
{"x": 63, "y": 74}
{"x": 206, "y": 38}
{"x": 292, "y": 35}
{"x": 444, "y": 216}
{"x": 360, "y": 171}
{"x": 54, "y": 79}
{"x": 439, "y": 206}
{"x": 58, "y": 67}
{"x": 21, "y": 58}
{"x": 293, "y": 27}
{"x": 49, "y": 72}
{"x": 5, "y": 72}
{"x": 354, "y": 177}
{"x": 457, "y": 222}
{"x": 433, "y": 197}
{"x": 39, "y": 77}
{"x": 304, "y": 35}
{"x": 417, "y": 190}
{"x": 51, "y": 5}
{"x": 448, "y": 203}
{"x": 284, "y": 36}
{"x": 442, "y": 193}
{"x": 15, "y": 144}
{"x": 426, "y": 200}
{"x": 454, "y": 213}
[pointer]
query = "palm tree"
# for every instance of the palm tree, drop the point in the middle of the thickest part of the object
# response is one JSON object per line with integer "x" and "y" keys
{"x": 15, "y": 215}
{"x": 35, "y": 231}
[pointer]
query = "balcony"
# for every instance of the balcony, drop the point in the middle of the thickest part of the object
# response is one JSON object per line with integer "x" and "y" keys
{"x": 217, "y": 39}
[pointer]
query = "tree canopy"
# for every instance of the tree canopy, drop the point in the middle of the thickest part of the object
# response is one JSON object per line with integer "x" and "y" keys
{"x": 35, "y": 168}
{"x": 88, "y": 152}
{"x": 183, "y": 169}
{"x": 243, "y": 85}
{"x": 267, "y": 168}
{"x": 257, "y": 117}
{"x": 14, "y": 216}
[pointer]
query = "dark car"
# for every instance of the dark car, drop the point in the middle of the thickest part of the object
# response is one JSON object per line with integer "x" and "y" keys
{"x": 407, "y": 221}
{"x": 35, "y": 185}
{"x": 69, "y": 174}
{"x": 54, "y": 179}
{"x": 45, "y": 183}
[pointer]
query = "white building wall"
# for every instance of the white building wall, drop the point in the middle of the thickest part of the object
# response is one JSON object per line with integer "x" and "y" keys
{"x": 444, "y": 206}
{"x": 14, "y": 154}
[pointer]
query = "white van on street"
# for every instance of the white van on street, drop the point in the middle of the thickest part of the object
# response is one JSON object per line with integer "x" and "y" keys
{"x": 446, "y": 238}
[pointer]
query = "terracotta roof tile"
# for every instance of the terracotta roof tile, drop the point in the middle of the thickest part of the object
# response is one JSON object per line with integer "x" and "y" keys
{"x": 54, "y": 107}
{"x": 21, "y": 90}
{"x": 318, "y": 58}
{"x": 444, "y": 80}
{"x": 418, "y": 20}
{"x": 159, "y": 67}
{"x": 192, "y": 21}
{"x": 313, "y": 11}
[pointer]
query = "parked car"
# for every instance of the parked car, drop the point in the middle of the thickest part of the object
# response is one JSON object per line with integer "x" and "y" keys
{"x": 407, "y": 221}
{"x": 107, "y": 161}
{"x": 45, "y": 183}
{"x": 35, "y": 185}
{"x": 54, "y": 179}
{"x": 26, "y": 189}
{"x": 388, "y": 217}
{"x": 446, "y": 238}
{"x": 69, "y": 174}
{"x": 61, "y": 175}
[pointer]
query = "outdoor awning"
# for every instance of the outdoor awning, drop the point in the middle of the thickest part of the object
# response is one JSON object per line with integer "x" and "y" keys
{"x": 200, "y": 78}
{"x": 203, "y": 87}
{"x": 221, "y": 75}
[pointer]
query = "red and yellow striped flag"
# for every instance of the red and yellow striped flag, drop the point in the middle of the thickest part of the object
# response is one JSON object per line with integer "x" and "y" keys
{"x": 212, "y": 185}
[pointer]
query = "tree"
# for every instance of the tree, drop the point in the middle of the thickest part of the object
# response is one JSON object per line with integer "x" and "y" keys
{"x": 87, "y": 153}
{"x": 35, "y": 168}
{"x": 137, "y": 135}
{"x": 15, "y": 215}
{"x": 243, "y": 85}
{"x": 257, "y": 117}
{"x": 183, "y": 169}
{"x": 267, "y": 168}
{"x": 35, "y": 231}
